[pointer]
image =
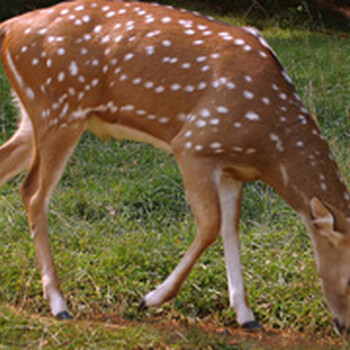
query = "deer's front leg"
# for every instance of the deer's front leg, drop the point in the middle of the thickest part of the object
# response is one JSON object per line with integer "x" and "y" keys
{"x": 230, "y": 200}
{"x": 198, "y": 176}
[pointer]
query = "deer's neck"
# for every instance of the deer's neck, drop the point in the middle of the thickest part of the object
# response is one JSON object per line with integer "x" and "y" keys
{"x": 308, "y": 171}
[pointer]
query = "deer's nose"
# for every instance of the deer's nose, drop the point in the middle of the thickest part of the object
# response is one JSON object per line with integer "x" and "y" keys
{"x": 338, "y": 327}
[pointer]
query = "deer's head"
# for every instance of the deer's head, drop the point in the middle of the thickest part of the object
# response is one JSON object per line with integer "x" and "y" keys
{"x": 331, "y": 233}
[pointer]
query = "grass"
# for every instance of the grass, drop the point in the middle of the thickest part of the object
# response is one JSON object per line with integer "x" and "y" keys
{"x": 19, "y": 330}
{"x": 119, "y": 223}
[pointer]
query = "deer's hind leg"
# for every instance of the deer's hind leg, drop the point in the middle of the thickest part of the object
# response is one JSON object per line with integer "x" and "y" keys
{"x": 16, "y": 154}
{"x": 52, "y": 151}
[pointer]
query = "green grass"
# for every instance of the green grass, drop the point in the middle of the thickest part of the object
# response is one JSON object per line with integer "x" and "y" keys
{"x": 119, "y": 223}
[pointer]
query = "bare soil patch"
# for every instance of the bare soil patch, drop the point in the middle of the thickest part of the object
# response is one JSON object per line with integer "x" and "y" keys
{"x": 237, "y": 337}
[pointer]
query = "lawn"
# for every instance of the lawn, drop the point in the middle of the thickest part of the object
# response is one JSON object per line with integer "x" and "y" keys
{"x": 119, "y": 223}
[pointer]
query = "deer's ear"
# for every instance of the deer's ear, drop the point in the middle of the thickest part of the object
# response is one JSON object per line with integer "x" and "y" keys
{"x": 324, "y": 221}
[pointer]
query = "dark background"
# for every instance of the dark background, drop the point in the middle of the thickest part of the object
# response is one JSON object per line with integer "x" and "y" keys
{"x": 333, "y": 14}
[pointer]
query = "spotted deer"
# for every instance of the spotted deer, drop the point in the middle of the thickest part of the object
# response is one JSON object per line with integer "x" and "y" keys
{"x": 212, "y": 94}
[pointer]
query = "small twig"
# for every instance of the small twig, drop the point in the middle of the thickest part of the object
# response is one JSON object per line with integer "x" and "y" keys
{"x": 255, "y": 4}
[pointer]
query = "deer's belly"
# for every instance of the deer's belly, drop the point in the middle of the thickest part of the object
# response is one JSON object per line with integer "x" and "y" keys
{"x": 106, "y": 130}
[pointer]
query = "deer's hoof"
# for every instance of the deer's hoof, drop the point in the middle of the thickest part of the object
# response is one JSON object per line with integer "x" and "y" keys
{"x": 252, "y": 326}
{"x": 142, "y": 306}
{"x": 63, "y": 315}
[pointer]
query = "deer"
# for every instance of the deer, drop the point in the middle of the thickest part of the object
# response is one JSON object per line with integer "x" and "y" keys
{"x": 212, "y": 94}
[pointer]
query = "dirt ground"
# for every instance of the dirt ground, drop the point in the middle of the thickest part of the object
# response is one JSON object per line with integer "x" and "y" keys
{"x": 235, "y": 336}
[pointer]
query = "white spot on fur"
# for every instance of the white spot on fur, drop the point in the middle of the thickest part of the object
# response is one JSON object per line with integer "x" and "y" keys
{"x": 110, "y": 14}
{"x": 222, "y": 109}
{"x": 205, "y": 113}
{"x": 30, "y": 93}
{"x": 252, "y": 116}
{"x": 128, "y": 56}
{"x": 175, "y": 87}
{"x": 166, "y": 43}
{"x": 248, "y": 95}
{"x": 159, "y": 89}
{"x": 73, "y": 68}
{"x": 61, "y": 51}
